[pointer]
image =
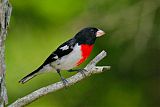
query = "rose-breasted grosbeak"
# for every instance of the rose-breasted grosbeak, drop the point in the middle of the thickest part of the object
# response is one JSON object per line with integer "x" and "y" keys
{"x": 70, "y": 54}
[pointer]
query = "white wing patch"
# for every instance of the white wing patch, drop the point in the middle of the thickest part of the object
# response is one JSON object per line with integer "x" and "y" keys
{"x": 56, "y": 57}
{"x": 64, "y": 47}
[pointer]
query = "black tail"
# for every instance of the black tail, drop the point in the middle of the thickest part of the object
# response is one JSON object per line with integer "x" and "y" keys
{"x": 30, "y": 76}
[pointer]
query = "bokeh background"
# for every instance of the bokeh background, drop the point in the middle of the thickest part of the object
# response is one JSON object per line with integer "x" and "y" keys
{"x": 132, "y": 41}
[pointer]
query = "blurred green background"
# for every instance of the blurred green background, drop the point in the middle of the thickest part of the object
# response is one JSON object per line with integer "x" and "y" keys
{"x": 132, "y": 41}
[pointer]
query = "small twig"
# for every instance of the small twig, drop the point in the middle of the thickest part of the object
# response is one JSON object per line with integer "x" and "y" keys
{"x": 90, "y": 69}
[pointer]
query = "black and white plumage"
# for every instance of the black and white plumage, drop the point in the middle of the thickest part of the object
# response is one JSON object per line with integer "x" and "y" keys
{"x": 70, "y": 54}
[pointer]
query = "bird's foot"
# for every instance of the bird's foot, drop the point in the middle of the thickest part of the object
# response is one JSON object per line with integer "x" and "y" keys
{"x": 82, "y": 71}
{"x": 64, "y": 81}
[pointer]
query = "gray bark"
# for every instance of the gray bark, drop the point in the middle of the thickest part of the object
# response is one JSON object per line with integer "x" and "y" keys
{"x": 5, "y": 13}
{"x": 91, "y": 68}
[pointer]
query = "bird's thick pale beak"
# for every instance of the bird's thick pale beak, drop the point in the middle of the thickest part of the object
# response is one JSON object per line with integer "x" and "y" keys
{"x": 100, "y": 33}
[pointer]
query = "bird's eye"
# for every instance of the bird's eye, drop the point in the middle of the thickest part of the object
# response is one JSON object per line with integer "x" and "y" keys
{"x": 92, "y": 30}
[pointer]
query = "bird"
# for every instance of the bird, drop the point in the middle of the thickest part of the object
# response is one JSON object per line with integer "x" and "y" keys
{"x": 69, "y": 55}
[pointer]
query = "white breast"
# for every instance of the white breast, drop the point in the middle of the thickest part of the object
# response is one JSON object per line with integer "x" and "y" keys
{"x": 69, "y": 61}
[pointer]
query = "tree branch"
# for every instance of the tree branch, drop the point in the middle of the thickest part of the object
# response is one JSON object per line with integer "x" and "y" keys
{"x": 91, "y": 68}
{"x": 5, "y": 13}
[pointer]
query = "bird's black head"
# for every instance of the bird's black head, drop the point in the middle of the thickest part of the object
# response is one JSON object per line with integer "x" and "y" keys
{"x": 88, "y": 35}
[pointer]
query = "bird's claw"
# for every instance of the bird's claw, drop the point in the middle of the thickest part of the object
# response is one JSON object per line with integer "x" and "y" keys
{"x": 82, "y": 71}
{"x": 64, "y": 81}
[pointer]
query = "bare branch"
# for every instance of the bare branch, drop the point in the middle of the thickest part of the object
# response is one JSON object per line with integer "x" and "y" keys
{"x": 5, "y": 13}
{"x": 90, "y": 69}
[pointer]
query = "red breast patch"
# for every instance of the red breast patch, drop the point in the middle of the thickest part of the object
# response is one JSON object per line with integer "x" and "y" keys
{"x": 86, "y": 50}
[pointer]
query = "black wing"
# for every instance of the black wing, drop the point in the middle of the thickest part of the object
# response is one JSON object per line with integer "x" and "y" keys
{"x": 61, "y": 52}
